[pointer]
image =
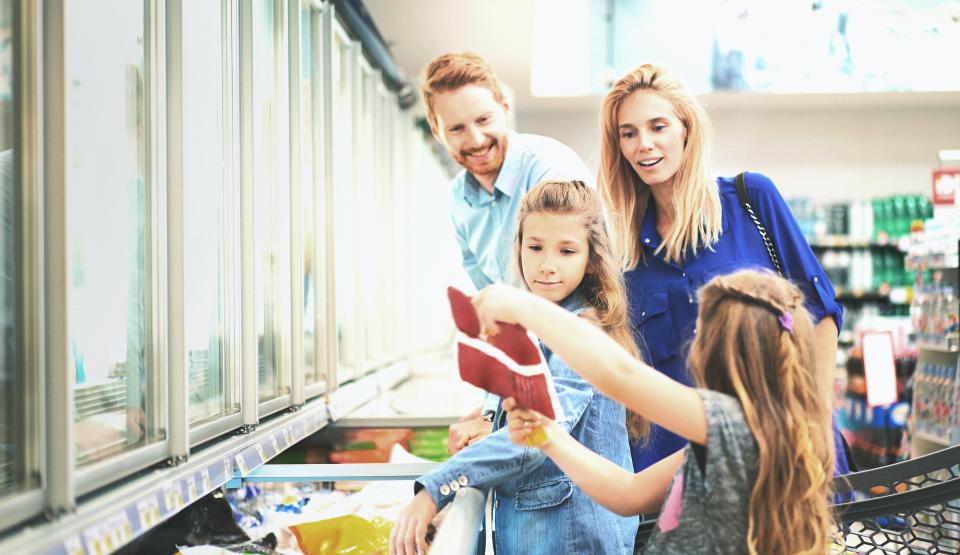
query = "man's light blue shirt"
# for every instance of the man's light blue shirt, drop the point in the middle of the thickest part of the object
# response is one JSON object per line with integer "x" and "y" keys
{"x": 485, "y": 223}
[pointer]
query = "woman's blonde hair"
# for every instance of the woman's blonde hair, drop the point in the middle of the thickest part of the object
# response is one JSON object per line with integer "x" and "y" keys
{"x": 745, "y": 347}
{"x": 602, "y": 288}
{"x": 696, "y": 199}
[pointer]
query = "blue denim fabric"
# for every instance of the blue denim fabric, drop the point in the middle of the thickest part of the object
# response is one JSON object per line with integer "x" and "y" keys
{"x": 537, "y": 509}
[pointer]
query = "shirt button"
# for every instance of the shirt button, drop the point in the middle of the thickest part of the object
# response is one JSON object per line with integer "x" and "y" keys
{"x": 644, "y": 313}
{"x": 684, "y": 274}
{"x": 647, "y": 240}
{"x": 815, "y": 278}
{"x": 462, "y": 480}
{"x": 690, "y": 300}
{"x": 444, "y": 490}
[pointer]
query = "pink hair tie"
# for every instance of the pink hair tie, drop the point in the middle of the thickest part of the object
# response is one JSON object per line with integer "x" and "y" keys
{"x": 786, "y": 321}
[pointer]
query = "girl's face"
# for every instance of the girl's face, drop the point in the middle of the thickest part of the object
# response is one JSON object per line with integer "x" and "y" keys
{"x": 554, "y": 254}
{"x": 651, "y": 137}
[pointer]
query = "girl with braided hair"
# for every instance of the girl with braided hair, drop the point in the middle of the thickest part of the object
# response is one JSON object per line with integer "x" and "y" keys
{"x": 757, "y": 472}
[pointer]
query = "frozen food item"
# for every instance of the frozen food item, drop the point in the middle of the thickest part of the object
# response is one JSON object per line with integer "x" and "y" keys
{"x": 430, "y": 444}
{"x": 508, "y": 364}
{"x": 342, "y": 535}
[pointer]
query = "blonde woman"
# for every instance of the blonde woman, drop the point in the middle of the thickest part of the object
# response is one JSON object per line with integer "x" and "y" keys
{"x": 674, "y": 227}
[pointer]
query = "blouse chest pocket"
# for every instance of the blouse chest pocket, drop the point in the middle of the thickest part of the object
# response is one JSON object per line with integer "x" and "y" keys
{"x": 543, "y": 495}
{"x": 654, "y": 328}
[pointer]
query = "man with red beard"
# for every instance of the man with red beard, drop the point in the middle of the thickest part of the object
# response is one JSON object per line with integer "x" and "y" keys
{"x": 467, "y": 112}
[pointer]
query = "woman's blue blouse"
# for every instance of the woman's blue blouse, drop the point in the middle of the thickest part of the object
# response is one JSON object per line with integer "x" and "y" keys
{"x": 663, "y": 296}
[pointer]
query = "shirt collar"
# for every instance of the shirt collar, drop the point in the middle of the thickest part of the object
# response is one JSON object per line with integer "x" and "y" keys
{"x": 574, "y": 302}
{"x": 473, "y": 193}
{"x": 506, "y": 182}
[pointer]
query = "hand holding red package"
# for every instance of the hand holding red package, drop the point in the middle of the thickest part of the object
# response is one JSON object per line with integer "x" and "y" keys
{"x": 508, "y": 364}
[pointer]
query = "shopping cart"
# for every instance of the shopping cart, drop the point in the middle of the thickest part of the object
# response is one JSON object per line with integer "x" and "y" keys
{"x": 908, "y": 507}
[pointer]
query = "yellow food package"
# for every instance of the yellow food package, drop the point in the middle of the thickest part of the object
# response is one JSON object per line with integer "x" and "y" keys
{"x": 342, "y": 535}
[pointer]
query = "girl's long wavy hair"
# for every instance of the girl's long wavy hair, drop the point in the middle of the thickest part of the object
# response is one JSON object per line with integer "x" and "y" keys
{"x": 696, "y": 198}
{"x": 602, "y": 288}
{"x": 742, "y": 349}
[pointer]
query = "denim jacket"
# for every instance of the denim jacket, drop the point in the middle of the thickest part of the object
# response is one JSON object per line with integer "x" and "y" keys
{"x": 537, "y": 508}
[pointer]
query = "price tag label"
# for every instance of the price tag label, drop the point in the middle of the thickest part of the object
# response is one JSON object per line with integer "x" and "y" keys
{"x": 205, "y": 482}
{"x": 73, "y": 546}
{"x": 241, "y": 465}
{"x": 276, "y": 445}
{"x": 95, "y": 544}
{"x": 227, "y": 469}
{"x": 287, "y": 436}
{"x": 126, "y": 529}
{"x": 261, "y": 453}
{"x": 192, "y": 492}
{"x": 149, "y": 512}
{"x": 173, "y": 497}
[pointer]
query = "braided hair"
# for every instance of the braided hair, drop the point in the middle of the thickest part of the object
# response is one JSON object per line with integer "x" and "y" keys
{"x": 755, "y": 342}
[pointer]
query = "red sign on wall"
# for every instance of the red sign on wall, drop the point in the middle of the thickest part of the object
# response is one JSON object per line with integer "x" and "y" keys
{"x": 946, "y": 186}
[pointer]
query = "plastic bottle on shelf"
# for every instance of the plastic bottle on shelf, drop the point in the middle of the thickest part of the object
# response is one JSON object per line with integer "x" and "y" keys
{"x": 868, "y": 214}
{"x": 855, "y": 221}
{"x": 898, "y": 229}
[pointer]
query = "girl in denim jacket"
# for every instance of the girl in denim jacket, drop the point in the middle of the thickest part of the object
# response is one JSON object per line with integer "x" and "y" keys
{"x": 564, "y": 257}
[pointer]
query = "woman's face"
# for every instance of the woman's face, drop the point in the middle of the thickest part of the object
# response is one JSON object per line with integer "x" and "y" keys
{"x": 651, "y": 137}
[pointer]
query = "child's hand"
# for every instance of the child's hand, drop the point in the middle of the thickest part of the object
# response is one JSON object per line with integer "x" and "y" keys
{"x": 499, "y": 302}
{"x": 528, "y": 427}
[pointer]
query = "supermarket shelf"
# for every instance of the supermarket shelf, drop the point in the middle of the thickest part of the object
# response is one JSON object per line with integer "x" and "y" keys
{"x": 863, "y": 297}
{"x": 844, "y": 242}
{"x": 404, "y": 406}
{"x": 363, "y": 472}
{"x": 396, "y": 422}
{"x": 931, "y": 438}
{"x": 351, "y": 396}
{"x": 941, "y": 262}
{"x": 112, "y": 519}
{"x": 937, "y": 347}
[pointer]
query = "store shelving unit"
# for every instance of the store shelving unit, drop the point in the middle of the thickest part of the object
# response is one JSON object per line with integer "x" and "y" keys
{"x": 944, "y": 356}
{"x": 123, "y": 513}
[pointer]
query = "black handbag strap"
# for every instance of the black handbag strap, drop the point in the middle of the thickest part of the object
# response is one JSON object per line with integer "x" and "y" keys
{"x": 745, "y": 201}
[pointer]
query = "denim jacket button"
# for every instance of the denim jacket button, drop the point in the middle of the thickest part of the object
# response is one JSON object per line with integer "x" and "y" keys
{"x": 454, "y": 485}
{"x": 444, "y": 490}
{"x": 462, "y": 480}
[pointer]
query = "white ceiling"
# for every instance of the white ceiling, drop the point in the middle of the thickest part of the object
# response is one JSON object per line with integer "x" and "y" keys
{"x": 416, "y": 31}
